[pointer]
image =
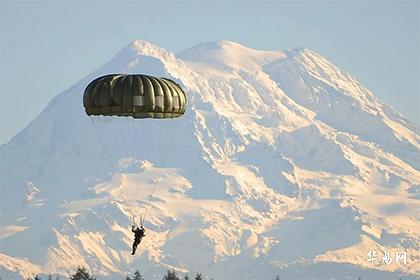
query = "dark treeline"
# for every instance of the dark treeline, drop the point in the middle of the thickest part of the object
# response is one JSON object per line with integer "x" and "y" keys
{"x": 83, "y": 274}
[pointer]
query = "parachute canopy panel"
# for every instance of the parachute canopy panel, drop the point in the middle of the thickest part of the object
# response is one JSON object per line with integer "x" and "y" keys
{"x": 137, "y": 96}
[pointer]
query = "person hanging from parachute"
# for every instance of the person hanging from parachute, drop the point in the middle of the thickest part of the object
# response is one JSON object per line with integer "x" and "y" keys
{"x": 138, "y": 236}
{"x": 140, "y": 98}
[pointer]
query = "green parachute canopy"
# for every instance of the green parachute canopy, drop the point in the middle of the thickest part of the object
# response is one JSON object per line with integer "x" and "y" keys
{"x": 137, "y": 96}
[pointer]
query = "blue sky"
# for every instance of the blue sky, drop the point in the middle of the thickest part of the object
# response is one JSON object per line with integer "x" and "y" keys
{"x": 46, "y": 47}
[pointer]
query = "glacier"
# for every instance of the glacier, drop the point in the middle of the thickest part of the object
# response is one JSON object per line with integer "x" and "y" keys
{"x": 283, "y": 164}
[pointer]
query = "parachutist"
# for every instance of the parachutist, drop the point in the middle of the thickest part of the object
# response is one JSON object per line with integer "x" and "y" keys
{"x": 138, "y": 236}
{"x": 121, "y": 105}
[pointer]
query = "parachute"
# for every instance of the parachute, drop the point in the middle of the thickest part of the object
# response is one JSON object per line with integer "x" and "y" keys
{"x": 137, "y": 96}
{"x": 136, "y": 117}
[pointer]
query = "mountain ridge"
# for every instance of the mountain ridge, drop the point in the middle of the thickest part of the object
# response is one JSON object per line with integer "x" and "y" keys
{"x": 282, "y": 141}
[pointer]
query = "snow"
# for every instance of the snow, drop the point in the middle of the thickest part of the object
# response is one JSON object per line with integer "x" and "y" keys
{"x": 14, "y": 268}
{"x": 223, "y": 54}
{"x": 283, "y": 165}
{"x": 10, "y": 230}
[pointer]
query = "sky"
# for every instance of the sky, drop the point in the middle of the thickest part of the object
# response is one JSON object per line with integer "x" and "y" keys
{"x": 48, "y": 46}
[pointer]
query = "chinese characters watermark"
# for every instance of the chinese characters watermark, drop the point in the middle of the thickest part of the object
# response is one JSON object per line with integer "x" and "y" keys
{"x": 400, "y": 257}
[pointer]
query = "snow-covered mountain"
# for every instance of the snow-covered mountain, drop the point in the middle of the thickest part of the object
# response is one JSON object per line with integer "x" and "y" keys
{"x": 282, "y": 165}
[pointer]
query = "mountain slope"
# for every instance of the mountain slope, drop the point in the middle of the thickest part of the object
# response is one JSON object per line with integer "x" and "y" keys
{"x": 283, "y": 163}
